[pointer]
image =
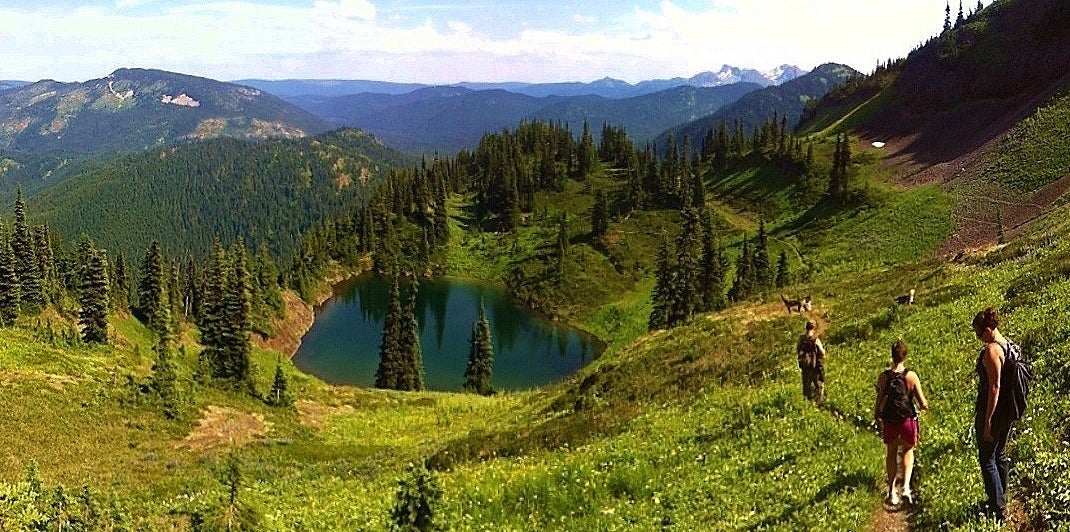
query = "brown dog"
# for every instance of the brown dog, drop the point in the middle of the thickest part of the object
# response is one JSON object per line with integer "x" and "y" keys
{"x": 798, "y": 305}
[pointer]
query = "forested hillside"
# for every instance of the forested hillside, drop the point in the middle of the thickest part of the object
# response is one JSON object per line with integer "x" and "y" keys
{"x": 267, "y": 193}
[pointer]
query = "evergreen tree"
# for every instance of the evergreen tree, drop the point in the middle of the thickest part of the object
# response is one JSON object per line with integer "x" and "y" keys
{"x": 961, "y": 19}
{"x": 743, "y": 286}
{"x": 412, "y": 374}
{"x": 783, "y": 274}
{"x": 9, "y": 283}
{"x": 389, "y": 373}
{"x": 415, "y": 504}
{"x": 661, "y": 299}
{"x": 27, "y": 267}
{"x": 165, "y": 373}
{"x": 151, "y": 291}
{"x": 42, "y": 242}
{"x": 599, "y": 215}
{"x": 279, "y": 394}
{"x": 685, "y": 291}
{"x": 235, "y": 346}
{"x": 586, "y": 157}
{"x": 212, "y": 312}
{"x": 480, "y": 356}
{"x": 562, "y": 245}
{"x": 763, "y": 267}
{"x": 713, "y": 269}
{"x": 94, "y": 300}
{"x": 980, "y": 7}
{"x": 947, "y": 16}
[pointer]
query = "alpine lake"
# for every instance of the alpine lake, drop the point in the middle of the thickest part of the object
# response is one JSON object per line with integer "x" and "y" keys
{"x": 529, "y": 349}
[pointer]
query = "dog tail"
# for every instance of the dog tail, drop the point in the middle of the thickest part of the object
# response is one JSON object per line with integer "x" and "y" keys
{"x": 784, "y": 299}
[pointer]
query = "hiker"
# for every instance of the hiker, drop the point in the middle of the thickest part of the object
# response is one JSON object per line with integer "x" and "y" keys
{"x": 991, "y": 431}
{"x": 897, "y": 419}
{"x": 812, "y": 363}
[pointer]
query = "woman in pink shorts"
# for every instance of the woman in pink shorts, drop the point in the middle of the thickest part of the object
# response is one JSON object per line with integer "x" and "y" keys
{"x": 897, "y": 418}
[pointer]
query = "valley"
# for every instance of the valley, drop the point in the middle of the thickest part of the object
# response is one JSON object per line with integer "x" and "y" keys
{"x": 656, "y": 233}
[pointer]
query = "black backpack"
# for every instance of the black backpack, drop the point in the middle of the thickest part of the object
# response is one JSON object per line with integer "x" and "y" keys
{"x": 1015, "y": 379}
{"x": 898, "y": 404}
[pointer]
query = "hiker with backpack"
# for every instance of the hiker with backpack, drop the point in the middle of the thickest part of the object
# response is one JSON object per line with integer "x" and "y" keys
{"x": 812, "y": 363}
{"x": 1003, "y": 379}
{"x": 897, "y": 419}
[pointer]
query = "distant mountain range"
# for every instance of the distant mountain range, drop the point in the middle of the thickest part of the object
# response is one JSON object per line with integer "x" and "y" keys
{"x": 6, "y": 84}
{"x": 134, "y": 109}
{"x": 447, "y": 119}
{"x": 606, "y": 87}
{"x": 788, "y": 100}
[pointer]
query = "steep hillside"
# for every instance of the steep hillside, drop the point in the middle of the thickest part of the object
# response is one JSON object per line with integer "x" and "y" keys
{"x": 978, "y": 108}
{"x": 134, "y": 109}
{"x": 266, "y": 192}
{"x": 11, "y": 84}
{"x": 788, "y": 100}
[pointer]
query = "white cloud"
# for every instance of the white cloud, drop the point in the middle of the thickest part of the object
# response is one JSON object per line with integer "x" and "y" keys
{"x": 346, "y": 38}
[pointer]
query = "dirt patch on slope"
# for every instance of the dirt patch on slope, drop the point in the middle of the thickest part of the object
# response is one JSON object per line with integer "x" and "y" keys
{"x": 315, "y": 415}
{"x": 289, "y": 330}
{"x": 225, "y": 426}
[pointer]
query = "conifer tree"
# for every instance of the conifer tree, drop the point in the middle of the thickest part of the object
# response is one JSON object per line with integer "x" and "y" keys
{"x": 961, "y": 19}
{"x": 94, "y": 300}
{"x": 26, "y": 266}
{"x": 743, "y": 285}
{"x": 212, "y": 313}
{"x": 662, "y": 297}
{"x": 416, "y": 501}
{"x": 9, "y": 283}
{"x": 42, "y": 243}
{"x": 980, "y": 7}
{"x": 711, "y": 280}
{"x": 763, "y": 267}
{"x": 562, "y": 245}
{"x": 236, "y": 349}
{"x": 389, "y": 373}
{"x": 685, "y": 293}
{"x": 412, "y": 374}
{"x": 586, "y": 156}
{"x": 480, "y": 356}
{"x": 165, "y": 373}
{"x": 599, "y": 215}
{"x": 279, "y": 394}
{"x": 947, "y": 16}
{"x": 151, "y": 290}
{"x": 783, "y": 274}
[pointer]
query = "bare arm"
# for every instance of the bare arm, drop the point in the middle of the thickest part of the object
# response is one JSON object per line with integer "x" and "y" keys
{"x": 879, "y": 403}
{"x": 918, "y": 393}
{"x": 993, "y": 363}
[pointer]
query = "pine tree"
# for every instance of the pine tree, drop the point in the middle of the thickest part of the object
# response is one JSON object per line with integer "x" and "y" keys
{"x": 961, "y": 19}
{"x": 9, "y": 283}
{"x": 42, "y": 243}
{"x": 947, "y": 16}
{"x": 210, "y": 323}
{"x": 713, "y": 269}
{"x": 151, "y": 290}
{"x": 599, "y": 215}
{"x": 412, "y": 374}
{"x": 165, "y": 373}
{"x": 685, "y": 293}
{"x": 416, "y": 501}
{"x": 388, "y": 375}
{"x": 763, "y": 267}
{"x": 586, "y": 157}
{"x": 980, "y": 7}
{"x": 94, "y": 300}
{"x": 562, "y": 245}
{"x": 662, "y": 297}
{"x": 26, "y": 266}
{"x": 279, "y": 395}
{"x": 743, "y": 285}
{"x": 783, "y": 274}
{"x": 480, "y": 356}
{"x": 236, "y": 349}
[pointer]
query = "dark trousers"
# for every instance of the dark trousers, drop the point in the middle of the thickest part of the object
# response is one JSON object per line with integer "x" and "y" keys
{"x": 992, "y": 456}
{"x": 813, "y": 382}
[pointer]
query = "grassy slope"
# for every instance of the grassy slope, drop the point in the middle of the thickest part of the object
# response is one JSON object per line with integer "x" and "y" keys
{"x": 703, "y": 424}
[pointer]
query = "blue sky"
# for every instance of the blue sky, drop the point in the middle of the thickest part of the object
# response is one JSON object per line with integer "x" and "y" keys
{"x": 445, "y": 41}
